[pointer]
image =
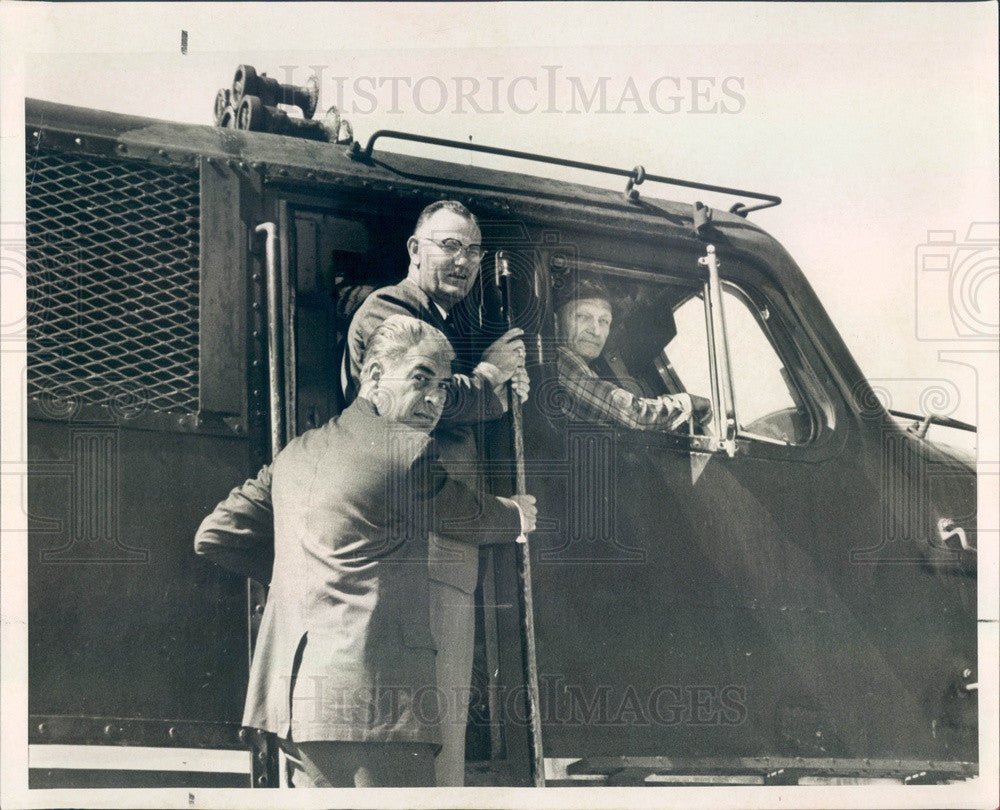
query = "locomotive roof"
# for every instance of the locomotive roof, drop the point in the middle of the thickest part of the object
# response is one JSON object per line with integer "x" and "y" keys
{"x": 295, "y": 161}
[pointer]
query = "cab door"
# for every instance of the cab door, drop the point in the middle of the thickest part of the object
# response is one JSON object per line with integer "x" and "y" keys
{"x": 699, "y": 595}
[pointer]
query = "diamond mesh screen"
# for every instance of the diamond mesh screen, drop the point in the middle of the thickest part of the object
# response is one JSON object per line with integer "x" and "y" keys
{"x": 112, "y": 289}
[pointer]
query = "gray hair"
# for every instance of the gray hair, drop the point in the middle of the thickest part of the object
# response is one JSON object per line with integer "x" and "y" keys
{"x": 444, "y": 205}
{"x": 396, "y": 335}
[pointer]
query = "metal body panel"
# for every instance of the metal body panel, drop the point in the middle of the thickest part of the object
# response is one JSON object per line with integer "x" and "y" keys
{"x": 222, "y": 353}
{"x": 730, "y": 618}
{"x": 124, "y": 620}
{"x": 777, "y": 605}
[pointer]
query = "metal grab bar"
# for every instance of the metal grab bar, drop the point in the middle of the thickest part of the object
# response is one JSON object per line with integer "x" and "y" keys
{"x": 273, "y": 337}
{"x": 503, "y": 280}
{"x": 636, "y": 175}
{"x": 925, "y": 420}
{"x": 719, "y": 362}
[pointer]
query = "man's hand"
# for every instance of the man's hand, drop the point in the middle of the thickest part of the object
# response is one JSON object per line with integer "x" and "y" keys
{"x": 506, "y": 353}
{"x": 527, "y": 509}
{"x": 521, "y": 383}
{"x": 701, "y": 409}
{"x": 691, "y": 406}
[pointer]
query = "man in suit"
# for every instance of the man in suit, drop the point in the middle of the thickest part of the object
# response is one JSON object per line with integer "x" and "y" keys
{"x": 599, "y": 389}
{"x": 445, "y": 252}
{"x": 344, "y": 668}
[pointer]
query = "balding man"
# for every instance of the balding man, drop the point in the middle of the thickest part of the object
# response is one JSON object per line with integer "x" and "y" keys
{"x": 344, "y": 668}
{"x": 445, "y": 251}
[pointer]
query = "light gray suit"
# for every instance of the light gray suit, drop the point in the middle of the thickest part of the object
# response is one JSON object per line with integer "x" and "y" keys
{"x": 345, "y": 651}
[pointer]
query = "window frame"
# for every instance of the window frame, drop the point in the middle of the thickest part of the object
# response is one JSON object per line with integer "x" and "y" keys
{"x": 800, "y": 395}
{"x": 793, "y": 346}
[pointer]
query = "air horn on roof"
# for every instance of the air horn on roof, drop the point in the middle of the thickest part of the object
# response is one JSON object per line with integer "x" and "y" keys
{"x": 251, "y": 104}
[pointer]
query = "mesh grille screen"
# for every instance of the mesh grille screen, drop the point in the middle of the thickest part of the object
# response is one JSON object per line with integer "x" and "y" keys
{"x": 112, "y": 291}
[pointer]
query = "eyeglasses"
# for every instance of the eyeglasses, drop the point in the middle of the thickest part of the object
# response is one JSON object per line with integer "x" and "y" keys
{"x": 452, "y": 247}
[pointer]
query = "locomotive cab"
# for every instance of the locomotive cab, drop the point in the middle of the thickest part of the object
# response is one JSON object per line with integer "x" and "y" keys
{"x": 764, "y": 598}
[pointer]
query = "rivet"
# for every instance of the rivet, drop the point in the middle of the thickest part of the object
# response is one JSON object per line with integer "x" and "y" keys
{"x": 161, "y": 152}
{"x": 78, "y": 141}
{"x": 258, "y": 610}
{"x": 36, "y": 134}
{"x": 256, "y": 276}
{"x": 210, "y": 161}
{"x": 310, "y": 175}
{"x": 283, "y": 172}
{"x": 172, "y": 733}
{"x": 122, "y": 147}
{"x": 43, "y": 729}
{"x": 261, "y": 780}
{"x": 243, "y": 736}
{"x": 242, "y": 164}
{"x": 261, "y": 756}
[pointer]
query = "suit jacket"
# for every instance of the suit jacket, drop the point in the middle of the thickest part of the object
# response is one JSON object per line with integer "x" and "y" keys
{"x": 239, "y": 534}
{"x": 344, "y": 650}
{"x": 471, "y": 398}
{"x": 471, "y": 401}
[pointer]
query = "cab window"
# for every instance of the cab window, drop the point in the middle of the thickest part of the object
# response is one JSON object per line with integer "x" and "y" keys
{"x": 769, "y": 406}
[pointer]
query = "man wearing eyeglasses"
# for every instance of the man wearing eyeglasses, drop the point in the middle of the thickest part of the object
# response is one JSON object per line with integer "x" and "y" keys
{"x": 445, "y": 252}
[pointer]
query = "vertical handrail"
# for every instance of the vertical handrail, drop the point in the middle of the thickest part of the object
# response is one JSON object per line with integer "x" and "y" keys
{"x": 272, "y": 762}
{"x": 713, "y": 374}
{"x": 503, "y": 278}
{"x": 273, "y": 337}
{"x": 288, "y": 290}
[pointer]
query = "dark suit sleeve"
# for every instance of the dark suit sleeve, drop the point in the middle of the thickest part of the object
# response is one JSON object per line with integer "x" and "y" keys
{"x": 471, "y": 398}
{"x": 458, "y": 512}
{"x": 239, "y": 534}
